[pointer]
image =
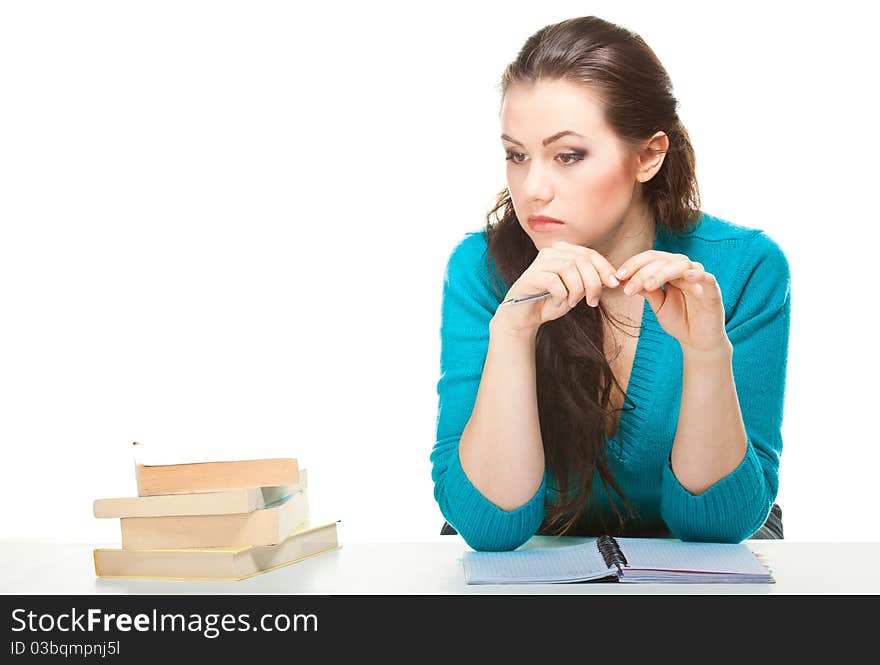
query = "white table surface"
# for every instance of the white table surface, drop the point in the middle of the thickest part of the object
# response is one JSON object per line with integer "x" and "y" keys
{"x": 429, "y": 568}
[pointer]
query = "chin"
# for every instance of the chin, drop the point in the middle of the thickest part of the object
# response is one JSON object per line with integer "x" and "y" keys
{"x": 540, "y": 240}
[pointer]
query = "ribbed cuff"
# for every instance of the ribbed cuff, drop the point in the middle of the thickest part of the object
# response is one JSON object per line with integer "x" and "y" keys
{"x": 731, "y": 510}
{"x": 483, "y": 525}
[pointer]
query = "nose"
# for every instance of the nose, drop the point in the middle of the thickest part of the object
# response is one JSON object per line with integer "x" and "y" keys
{"x": 536, "y": 185}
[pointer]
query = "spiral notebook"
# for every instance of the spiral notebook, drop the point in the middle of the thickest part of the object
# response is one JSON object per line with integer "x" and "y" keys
{"x": 618, "y": 559}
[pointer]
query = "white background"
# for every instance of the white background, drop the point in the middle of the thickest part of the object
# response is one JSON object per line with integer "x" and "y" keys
{"x": 224, "y": 226}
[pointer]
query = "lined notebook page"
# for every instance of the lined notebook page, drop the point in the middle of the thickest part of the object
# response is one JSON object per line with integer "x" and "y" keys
{"x": 658, "y": 553}
{"x": 554, "y": 564}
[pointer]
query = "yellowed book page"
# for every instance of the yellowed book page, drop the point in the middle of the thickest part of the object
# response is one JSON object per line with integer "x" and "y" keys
{"x": 222, "y": 502}
{"x": 241, "y": 500}
{"x": 294, "y": 548}
{"x": 266, "y": 526}
{"x": 212, "y": 476}
{"x": 217, "y": 563}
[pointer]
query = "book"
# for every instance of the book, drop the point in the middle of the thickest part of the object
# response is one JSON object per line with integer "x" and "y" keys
{"x": 217, "y": 563}
{"x": 619, "y": 559}
{"x": 212, "y": 476}
{"x": 266, "y": 526}
{"x": 220, "y": 502}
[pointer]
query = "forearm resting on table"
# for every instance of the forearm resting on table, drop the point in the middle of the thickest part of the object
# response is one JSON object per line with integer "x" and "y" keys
{"x": 710, "y": 440}
{"x": 501, "y": 449}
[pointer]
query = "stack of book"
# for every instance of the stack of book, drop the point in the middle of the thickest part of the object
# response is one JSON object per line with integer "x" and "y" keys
{"x": 213, "y": 520}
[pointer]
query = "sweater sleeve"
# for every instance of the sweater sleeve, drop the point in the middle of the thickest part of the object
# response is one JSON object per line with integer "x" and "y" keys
{"x": 737, "y": 505}
{"x": 468, "y": 306}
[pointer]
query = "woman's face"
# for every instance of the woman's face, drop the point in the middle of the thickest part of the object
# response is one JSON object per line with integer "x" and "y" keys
{"x": 587, "y": 181}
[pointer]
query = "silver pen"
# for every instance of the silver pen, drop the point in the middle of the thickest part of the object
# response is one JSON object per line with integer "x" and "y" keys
{"x": 513, "y": 301}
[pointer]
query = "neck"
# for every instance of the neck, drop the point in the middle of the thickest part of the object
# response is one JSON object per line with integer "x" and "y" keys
{"x": 633, "y": 236}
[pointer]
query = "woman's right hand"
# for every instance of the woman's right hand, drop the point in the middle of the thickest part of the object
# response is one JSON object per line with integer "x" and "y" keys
{"x": 570, "y": 273}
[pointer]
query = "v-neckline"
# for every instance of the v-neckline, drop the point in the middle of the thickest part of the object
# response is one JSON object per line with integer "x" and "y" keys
{"x": 641, "y": 377}
{"x": 637, "y": 325}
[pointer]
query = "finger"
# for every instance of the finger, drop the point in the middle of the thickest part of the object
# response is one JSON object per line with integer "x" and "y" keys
{"x": 688, "y": 286}
{"x": 563, "y": 265}
{"x": 656, "y": 299}
{"x": 635, "y": 263}
{"x": 571, "y": 276}
{"x": 558, "y": 293}
{"x": 707, "y": 282}
{"x": 604, "y": 270}
{"x": 697, "y": 274}
{"x": 672, "y": 269}
{"x": 591, "y": 280}
{"x": 638, "y": 281}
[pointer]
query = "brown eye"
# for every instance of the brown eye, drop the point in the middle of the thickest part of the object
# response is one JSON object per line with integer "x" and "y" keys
{"x": 513, "y": 157}
{"x": 574, "y": 157}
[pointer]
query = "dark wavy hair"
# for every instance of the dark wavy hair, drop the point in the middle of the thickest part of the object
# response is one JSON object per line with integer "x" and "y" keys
{"x": 574, "y": 379}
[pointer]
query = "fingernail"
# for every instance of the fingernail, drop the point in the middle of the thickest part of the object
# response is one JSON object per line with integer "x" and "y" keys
{"x": 621, "y": 273}
{"x": 629, "y": 288}
{"x": 613, "y": 281}
{"x": 594, "y": 302}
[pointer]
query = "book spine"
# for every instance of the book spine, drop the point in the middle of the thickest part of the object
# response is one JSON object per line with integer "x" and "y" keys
{"x": 611, "y": 552}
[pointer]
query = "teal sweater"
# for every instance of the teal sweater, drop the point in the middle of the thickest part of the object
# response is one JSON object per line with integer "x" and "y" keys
{"x": 753, "y": 275}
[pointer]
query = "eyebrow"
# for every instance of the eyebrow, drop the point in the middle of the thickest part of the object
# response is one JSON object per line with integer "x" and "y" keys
{"x": 548, "y": 140}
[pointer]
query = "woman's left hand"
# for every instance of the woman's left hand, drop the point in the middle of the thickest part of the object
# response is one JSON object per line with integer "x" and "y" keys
{"x": 690, "y": 308}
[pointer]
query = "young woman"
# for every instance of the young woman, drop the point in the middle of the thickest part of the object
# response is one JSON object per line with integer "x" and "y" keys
{"x": 643, "y": 395}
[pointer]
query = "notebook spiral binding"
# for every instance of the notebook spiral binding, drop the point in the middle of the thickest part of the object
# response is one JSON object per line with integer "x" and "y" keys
{"x": 611, "y": 552}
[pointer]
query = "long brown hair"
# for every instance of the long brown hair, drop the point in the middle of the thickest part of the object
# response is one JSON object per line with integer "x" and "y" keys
{"x": 574, "y": 379}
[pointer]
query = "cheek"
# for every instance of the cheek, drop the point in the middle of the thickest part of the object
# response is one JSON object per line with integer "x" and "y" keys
{"x": 604, "y": 186}
{"x": 518, "y": 201}
{"x": 602, "y": 195}
{"x": 521, "y": 212}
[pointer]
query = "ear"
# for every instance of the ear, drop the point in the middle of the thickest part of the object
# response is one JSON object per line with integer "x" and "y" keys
{"x": 651, "y": 156}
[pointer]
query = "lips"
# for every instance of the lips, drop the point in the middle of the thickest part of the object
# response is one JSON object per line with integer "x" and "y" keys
{"x": 544, "y": 223}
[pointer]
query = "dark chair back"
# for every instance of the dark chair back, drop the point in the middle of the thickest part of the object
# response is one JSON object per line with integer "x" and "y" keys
{"x": 447, "y": 530}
